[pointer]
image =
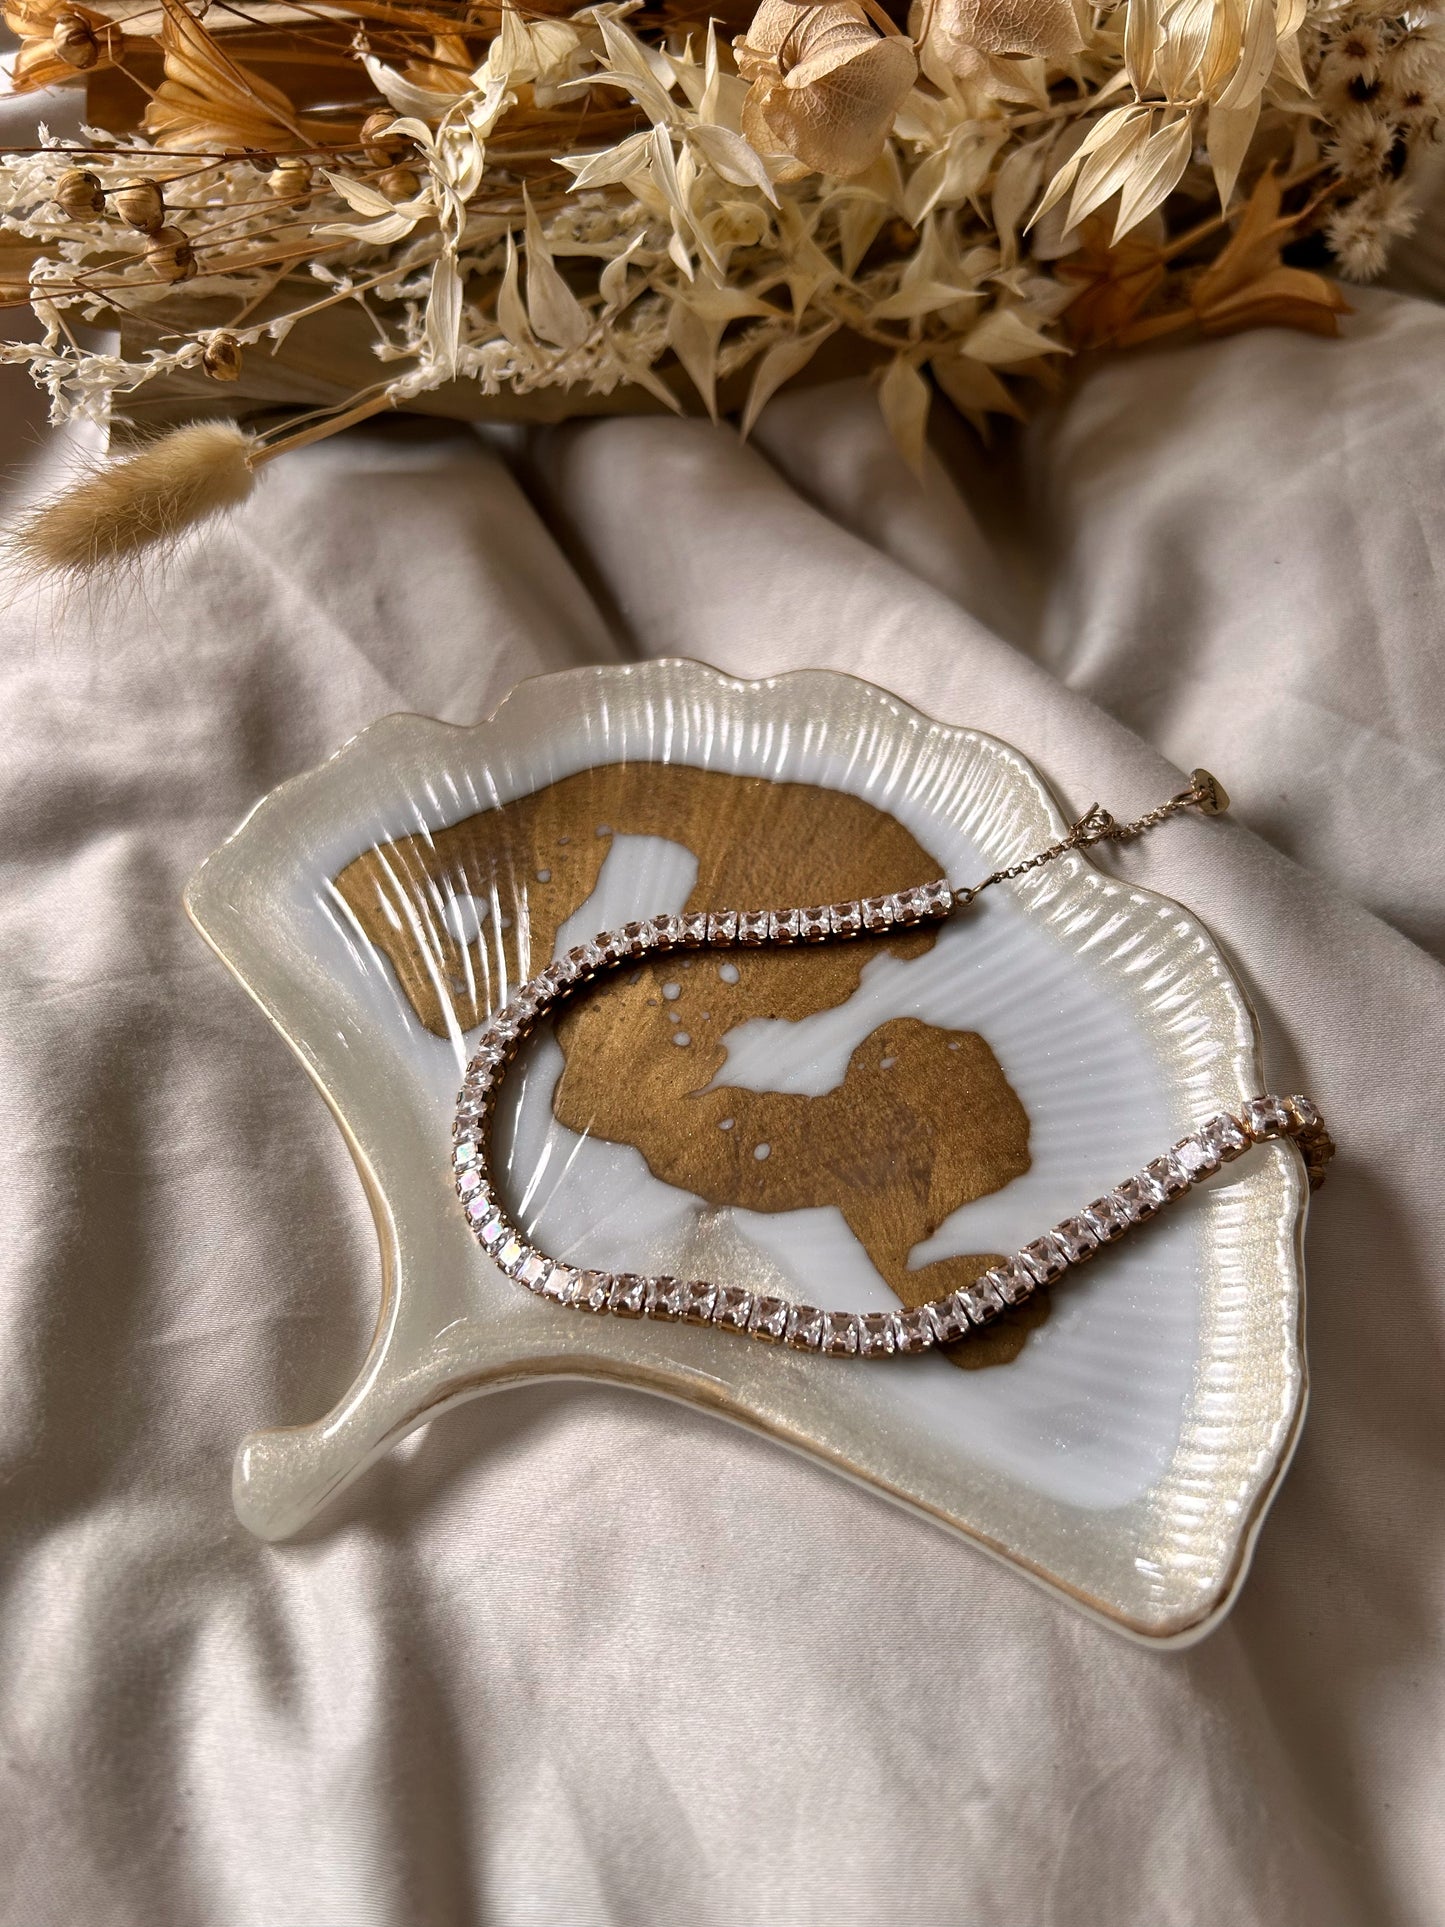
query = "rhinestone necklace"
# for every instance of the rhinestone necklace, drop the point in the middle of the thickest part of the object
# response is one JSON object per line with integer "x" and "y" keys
{"x": 946, "y": 1320}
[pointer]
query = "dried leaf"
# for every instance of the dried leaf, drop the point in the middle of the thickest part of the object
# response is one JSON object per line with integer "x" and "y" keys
{"x": 511, "y": 315}
{"x": 973, "y": 388}
{"x": 444, "y": 314}
{"x": 1161, "y": 163}
{"x": 782, "y": 361}
{"x": 1256, "y": 59}
{"x": 1110, "y": 130}
{"x": 905, "y": 397}
{"x": 729, "y": 155}
{"x": 1141, "y": 25}
{"x": 405, "y": 95}
{"x": 1004, "y": 337}
{"x": 553, "y": 310}
{"x": 1014, "y": 187}
{"x": 695, "y": 343}
{"x": 1184, "y": 32}
{"x": 612, "y": 167}
{"x": 1229, "y": 133}
{"x": 1110, "y": 165}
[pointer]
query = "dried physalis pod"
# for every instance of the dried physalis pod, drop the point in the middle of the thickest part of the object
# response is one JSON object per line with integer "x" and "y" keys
{"x": 399, "y": 183}
{"x": 75, "y": 41}
{"x": 378, "y": 143}
{"x": 170, "y": 255}
{"x": 291, "y": 179}
{"x": 824, "y": 84}
{"x": 140, "y": 204}
{"x": 78, "y": 192}
{"x": 221, "y": 357}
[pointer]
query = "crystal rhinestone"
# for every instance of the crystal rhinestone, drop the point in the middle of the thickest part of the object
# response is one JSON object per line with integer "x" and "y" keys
{"x": 531, "y": 998}
{"x": 561, "y": 975}
{"x": 840, "y": 1333}
{"x": 936, "y": 898}
{"x": 722, "y": 926}
{"x": 692, "y": 928}
{"x": 484, "y": 1215}
{"x": 783, "y": 926}
{"x": 665, "y": 1298}
{"x": 467, "y": 1152}
{"x": 980, "y": 1301}
{"x": 1140, "y": 1197}
{"x": 845, "y": 919}
{"x": 586, "y": 961}
{"x": 560, "y": 1283}
{"x": 510, "y": 1252}
{"x": 877, "y": 1336}
{"x": 1198, "y": 1156}
{"x": 468, "y": 1182}
{"x": 948, "y": 1318}
{"x": 594, "y": 1288}
{"x": 805, "y": 1328}
{"x": 1011, "y": 1281}
{"x": 532, "y": 1270}
{"x": 877, "y": 913}
{"x": 770, "y": 1319}
{"x": 906, "y": 907}
{"x": 813, "y": 925}
{"x": 752, "y": 926}
{"x": 1265, "y": 1117}
{"x": 628, "y": 1297}
{"x": 1107, "y": 1217}
{"x": 732, "y": 1308}
{"x": 666, "y": 932}
{"x": 492, "y": 1235}
{"x": 1044, "y": 1259}
{"x": 1076, "y": 1240}
{"x": 698, "y": 1298}
{"x": 617, "y": 948}
{"x": 913, "y": 1331}
{"x": 1226, "y": 1135}
{"x": 639, "y": 937}
{"x": 1169, "y": 1174}
{"x": 1306, "y": 1117}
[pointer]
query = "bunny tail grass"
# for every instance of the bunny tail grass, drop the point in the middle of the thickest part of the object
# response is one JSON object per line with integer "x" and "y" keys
{"x": 125, "y": 506}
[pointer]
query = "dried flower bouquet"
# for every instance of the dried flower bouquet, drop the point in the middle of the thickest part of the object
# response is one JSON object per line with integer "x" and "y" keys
{"x": 425, "y": 203}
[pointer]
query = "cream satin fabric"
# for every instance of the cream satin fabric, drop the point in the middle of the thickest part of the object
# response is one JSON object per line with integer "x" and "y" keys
{"x": 575, "y": 1656}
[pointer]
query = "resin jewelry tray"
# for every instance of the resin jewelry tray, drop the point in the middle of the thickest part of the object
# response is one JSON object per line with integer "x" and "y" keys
{"x": 867, "y": 1124}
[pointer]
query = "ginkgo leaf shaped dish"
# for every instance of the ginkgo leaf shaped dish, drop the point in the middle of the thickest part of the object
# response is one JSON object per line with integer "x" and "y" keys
{"x": 863, "y": 1125}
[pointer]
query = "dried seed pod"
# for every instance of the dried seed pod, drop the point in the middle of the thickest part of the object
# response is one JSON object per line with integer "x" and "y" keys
{"x": 140, "y": 204}
{"x": 399, "y": 183}
{"x": 291, "y": 180}
{"x": 171, "y": 255}
{"x": 378, "y": 143}
{"x": 73, "y": 39}
{"x": 78, "y": 192}
{"x": 221, "y": 357}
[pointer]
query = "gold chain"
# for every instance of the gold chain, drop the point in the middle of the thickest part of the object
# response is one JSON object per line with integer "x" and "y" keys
{"x": 1205, "y": 793}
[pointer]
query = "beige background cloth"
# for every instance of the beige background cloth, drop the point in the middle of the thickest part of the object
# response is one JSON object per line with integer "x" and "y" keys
{"x": 574, "y": 1656}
